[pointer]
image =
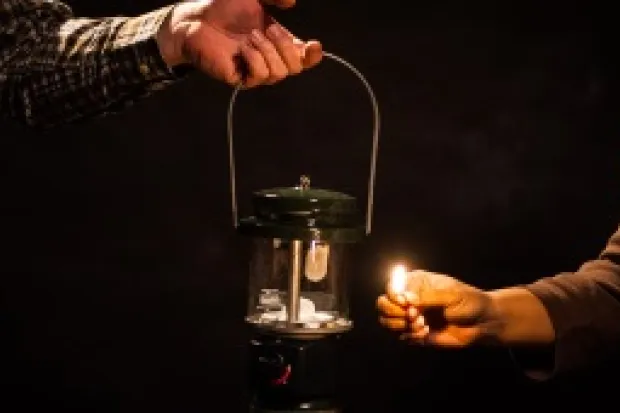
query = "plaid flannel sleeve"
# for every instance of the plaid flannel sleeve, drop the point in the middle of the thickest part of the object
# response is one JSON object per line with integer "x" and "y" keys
{"x": 55, "y": 68}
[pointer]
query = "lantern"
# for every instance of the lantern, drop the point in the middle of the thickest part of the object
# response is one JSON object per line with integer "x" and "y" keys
{"x": 298, "y": 308}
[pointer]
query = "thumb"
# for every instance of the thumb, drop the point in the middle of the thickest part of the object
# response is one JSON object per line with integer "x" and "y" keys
{"x": 312, "y": 53}
{"x": 432, "y": 289}
{"x": 436, "y": 297}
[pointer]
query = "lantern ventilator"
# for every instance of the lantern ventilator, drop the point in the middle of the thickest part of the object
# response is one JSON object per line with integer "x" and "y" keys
{"x": 298, "y": 306}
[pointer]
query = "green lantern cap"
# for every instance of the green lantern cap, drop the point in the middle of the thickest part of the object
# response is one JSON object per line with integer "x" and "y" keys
{"x": 304, "y": 213}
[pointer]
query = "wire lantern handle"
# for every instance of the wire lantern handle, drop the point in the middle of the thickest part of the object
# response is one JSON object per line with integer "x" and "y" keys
{"x": 373, "y": 154}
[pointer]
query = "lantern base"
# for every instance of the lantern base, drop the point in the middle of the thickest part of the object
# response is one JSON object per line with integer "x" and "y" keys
{"x": 293, "y": 375}
{"x": 309, "y": 407}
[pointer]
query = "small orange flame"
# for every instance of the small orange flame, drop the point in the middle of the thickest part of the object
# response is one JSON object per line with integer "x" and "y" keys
{"x": 398, "y": 279}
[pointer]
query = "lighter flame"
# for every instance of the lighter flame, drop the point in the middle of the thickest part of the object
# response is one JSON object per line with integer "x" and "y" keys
{"x": 398, "y": 279}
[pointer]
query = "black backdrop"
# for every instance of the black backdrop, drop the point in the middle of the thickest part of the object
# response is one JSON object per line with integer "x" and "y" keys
{"x": 123, "y": 288}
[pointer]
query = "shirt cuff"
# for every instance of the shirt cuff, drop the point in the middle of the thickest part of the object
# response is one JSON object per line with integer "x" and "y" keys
{"x": 140, "y": 32}
{"x": 570, "y": 323}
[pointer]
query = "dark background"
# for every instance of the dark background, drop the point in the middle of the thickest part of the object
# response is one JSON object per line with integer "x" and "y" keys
{"x": 123, "y": 284}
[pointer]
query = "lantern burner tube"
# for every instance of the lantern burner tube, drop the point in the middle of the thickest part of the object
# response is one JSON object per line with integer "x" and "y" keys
{"x": 294, "y": 281}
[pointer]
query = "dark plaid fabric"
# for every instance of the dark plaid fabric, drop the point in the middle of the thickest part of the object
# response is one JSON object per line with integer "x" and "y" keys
{"x": 55, "y": 68}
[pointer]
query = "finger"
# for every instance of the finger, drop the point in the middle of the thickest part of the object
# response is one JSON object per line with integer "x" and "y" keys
{"x": 284, "y": 42}
{"x": 410, "y": 297}
{"x": 419, "y": 337}
{"x": 413, "y": 313}
{"x": 442, "y": 339}
{"x": 396, "y": 298}
{"x": 283, "y": 4}
{"x": 277, "y": 68}
{"x": 230, "y": 72}
{"x": 453, "y": 336}
{"x": 406, "y": 294}
{"x": 417, "y": 324}
{"x": 312, "y": 54}
{"x": 258, "y": 71}
{"x": 414, "y": 326}
{"x": 394, "y": 323}
{"x": 403, "y": 299}
{"x": 390, "y": 309}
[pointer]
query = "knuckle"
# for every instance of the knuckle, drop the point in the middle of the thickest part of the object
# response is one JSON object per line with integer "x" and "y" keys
{"x": 381, "y": 303}
{"x": 277, "y": 77}
{"x": 260, "y": 75}
{"x": 296, "y": 68}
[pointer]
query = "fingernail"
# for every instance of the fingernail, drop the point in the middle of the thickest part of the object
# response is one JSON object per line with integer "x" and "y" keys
{"x": 257, "y": 35}
{"x": 399, "y": 299}
{"x": 275, "y": 29}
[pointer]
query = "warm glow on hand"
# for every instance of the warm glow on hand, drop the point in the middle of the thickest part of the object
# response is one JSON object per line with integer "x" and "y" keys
{"x": 398, "y": 279}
